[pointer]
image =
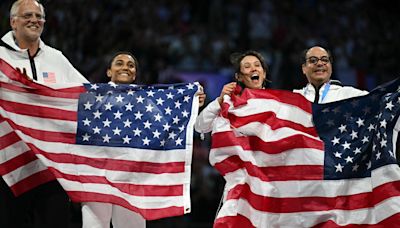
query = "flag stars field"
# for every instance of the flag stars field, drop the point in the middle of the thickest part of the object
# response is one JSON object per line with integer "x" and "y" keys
{"x": 146, "y": 114}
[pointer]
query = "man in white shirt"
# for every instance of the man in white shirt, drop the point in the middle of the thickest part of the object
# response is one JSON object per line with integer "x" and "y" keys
{"x": 46, "y": 205}
{"x": 317, "y": 68}
{"x": 23, "y": 48}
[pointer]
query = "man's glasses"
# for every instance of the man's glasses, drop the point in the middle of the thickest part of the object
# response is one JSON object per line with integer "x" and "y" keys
{"x": 31, "y": 16}
{"x": 314, "y": 60}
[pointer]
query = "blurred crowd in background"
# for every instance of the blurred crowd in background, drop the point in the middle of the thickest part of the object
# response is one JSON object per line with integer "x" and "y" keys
{"x": 175, "y": 38}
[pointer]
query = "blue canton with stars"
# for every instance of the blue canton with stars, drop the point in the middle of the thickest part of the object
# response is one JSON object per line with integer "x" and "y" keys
{"x": 358, "y": 132}
{"x": 146, "y": 117}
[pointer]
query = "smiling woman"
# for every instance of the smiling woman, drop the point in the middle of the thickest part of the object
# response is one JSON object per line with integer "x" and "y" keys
{"x": 123, "y": 68}
{"x": 250, "y": 69}
{"x": 250, "y": 72}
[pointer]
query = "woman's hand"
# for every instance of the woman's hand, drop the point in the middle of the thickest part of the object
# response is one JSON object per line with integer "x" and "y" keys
{"x": 202, "y": 97}
{"x": 227, "y": 90}
{"x": 23, "y": 72}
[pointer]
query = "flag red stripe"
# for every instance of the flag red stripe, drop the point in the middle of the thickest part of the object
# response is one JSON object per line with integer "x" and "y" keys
{"x": 148, "y": 214}
{"x": 32, "y": 181}
{"x": 38, "y": 111}
{"x": 228, "y": 138}
{"x": 385, "y": 191}
{"x": 132, "y": 189}
{"x": 311, "y": 203}
{"x": 392, "y": 221}
{"x": 17, "y": 162}
{"x": 284, "y": 173}
{"x": 13, "y": 74}
{"x": 276, "y": 173}
{"x": 48, "y": 136}
{"x": 29, "y": 182}
{"x": 8, "y": 139}
{"x": 113, "y": 164}
{"x": 271, "y": 120}
{"x": 70, "y": 93}
{"x": 233, "y": 222}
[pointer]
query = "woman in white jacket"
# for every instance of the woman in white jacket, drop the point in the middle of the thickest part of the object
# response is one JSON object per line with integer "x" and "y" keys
{"x": 250, "y": 72}
{"x": 122, "y": 70}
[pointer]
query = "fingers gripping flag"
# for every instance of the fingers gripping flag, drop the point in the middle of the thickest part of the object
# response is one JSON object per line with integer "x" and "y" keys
{"x": 288, "y": 163}
{"x": 122, "y": 144}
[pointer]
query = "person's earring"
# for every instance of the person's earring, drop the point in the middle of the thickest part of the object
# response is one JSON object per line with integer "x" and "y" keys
{"x": 237, "y": 77}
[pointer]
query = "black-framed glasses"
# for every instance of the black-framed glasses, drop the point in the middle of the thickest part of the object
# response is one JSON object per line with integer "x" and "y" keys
{"x": 314, "y": 60}
{"x": 30, "y": 16}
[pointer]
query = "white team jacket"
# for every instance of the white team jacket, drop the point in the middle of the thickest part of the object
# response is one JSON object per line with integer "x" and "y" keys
{"x": 205, "y": 120}
{"x": 330, "y": 92}
{"x": 49, "y": 64}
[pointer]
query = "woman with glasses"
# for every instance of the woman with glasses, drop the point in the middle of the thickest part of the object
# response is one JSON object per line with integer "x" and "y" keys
{"x": 317, "y": 67}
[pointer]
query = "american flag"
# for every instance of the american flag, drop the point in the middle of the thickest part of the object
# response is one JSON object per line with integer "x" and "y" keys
{"x": 49, "y": 77}
{"x": 122, "y": 144}
{"x": 288, "y": 163}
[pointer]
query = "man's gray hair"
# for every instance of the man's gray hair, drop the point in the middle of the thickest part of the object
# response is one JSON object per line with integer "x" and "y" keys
{"x": 15, "y": 7}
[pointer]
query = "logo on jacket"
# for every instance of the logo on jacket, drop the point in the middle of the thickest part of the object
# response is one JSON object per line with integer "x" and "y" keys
{"x": 49, "y": 77}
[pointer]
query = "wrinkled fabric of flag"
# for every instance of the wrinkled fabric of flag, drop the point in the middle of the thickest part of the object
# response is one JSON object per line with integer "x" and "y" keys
{"x": 290, "y": 163}
{"x": 127, "y": 145}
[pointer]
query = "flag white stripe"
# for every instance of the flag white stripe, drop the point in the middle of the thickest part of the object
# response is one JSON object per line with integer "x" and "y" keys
{"x": 282, "y": 111}
{"x": 38, "y": 123}
{"x": 90, "y": 151}
{"x": 373, "y": 215}
{"x": 114, "y": 176}
{"x": 385, "y": 174}
{"x": 13, "y": 151}
{"x": 142, "y": 202}
{"x": 23, "y": 172}
{"x": 265, "y": 133}
{"x": 5, "y": 128}
{"x": 67, "y": 104}
{"x": 298, "y": 156}
{"x": 323, "y": 188}
{"x": 118, "y": 176}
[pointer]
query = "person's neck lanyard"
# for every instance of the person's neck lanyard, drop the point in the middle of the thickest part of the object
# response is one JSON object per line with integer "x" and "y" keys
{"x": 324, "y": 92}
